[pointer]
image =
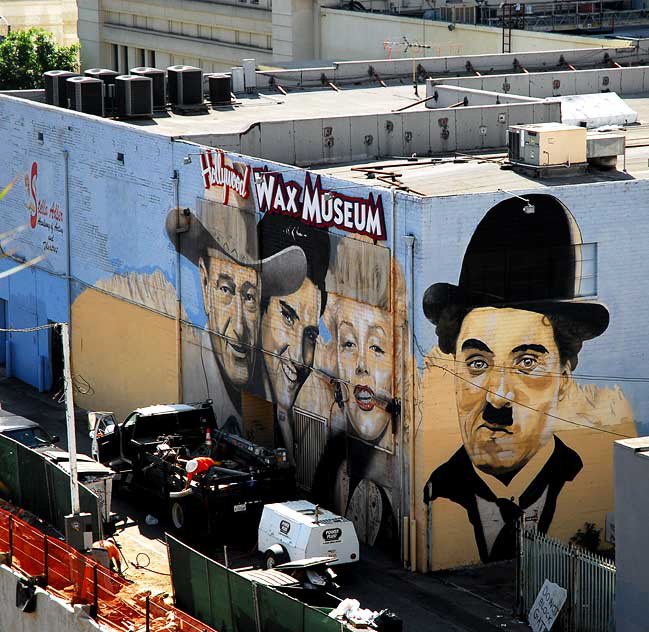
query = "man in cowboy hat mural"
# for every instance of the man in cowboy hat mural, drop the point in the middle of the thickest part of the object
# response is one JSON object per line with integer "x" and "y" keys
{"x": 222, "y": 242}
{"x": 514, "y": 327}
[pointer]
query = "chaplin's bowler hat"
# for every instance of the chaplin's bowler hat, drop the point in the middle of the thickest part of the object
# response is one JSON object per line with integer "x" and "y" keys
{"x": 524, "y": 260}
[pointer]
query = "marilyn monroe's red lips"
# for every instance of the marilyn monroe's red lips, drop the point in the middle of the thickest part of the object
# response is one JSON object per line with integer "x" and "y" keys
{"x": 364, "y": 396}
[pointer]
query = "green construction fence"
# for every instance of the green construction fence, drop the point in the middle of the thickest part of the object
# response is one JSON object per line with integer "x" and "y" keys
{"x": 30, "y": 481}
{"x": 228, "y": 602}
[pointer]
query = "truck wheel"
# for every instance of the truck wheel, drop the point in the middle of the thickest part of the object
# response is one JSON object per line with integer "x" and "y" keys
{"x": 275, "y": 556}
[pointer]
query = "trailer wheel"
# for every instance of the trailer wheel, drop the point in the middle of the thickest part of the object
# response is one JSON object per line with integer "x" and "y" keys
{"x": 275, "y": 556}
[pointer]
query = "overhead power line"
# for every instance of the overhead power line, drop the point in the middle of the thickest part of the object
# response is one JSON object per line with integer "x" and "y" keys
{"x": 513, "y": 401}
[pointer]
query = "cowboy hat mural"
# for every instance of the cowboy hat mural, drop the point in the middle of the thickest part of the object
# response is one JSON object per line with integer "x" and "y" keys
{"x": 221, "y": 241}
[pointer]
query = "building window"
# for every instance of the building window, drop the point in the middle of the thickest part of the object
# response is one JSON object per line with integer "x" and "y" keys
{"x": 152, "y": 58}
{"x": 125, "y": 59}
{"x": 115, "y": 57}
{"x": 142, "y": 53}
{"x": 586, "y": 260}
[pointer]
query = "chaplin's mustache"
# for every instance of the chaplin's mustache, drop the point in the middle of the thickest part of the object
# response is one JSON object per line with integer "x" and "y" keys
{"x": 498, "y": 416}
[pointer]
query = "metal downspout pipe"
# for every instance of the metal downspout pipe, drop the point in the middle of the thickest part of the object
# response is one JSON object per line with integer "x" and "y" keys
{"x": 410, "y": 246}
{"x": 179, "y": 355}
{"x": 68, "y": 240}
{"x": 403, "y": 527}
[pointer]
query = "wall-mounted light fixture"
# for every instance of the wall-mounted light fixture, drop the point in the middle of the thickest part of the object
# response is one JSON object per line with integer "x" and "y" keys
{"x": 529, "y": 208}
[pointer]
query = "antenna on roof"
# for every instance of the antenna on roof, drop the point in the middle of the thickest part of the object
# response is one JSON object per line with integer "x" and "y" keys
{"x": 407, "y": 45}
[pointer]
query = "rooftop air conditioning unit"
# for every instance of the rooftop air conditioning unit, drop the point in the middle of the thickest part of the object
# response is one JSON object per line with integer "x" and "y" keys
{"x": 547, "y": 148}
{"x": 55, "y": 86}
{"x": 133, "y": 96}
{"x": 86, "y": 94}
{"x": 158, "y": 77}
{"x": 220, "y": 87}
{"x": 108, "y": 77}
{"x": 185, "y": 85}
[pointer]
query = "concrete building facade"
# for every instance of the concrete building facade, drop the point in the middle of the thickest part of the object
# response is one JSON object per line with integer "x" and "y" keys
{"x": 216, "y": 36}
{"x": 631, "y": 464}
{"x": 438, "y": 342}
{"x": 58, "y": 17}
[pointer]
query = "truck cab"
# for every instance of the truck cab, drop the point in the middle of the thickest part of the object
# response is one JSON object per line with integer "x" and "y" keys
{"x": 119, "y": 444}
{"x": 150, "y": 450}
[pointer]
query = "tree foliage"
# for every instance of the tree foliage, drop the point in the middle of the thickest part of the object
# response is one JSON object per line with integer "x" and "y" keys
{"x": 26, "y": 55}
{"x": 588, "y": 538}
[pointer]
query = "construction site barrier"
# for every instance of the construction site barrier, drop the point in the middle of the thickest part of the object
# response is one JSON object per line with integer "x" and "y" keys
{"x": 78, "y": 579}
{"x": 30, "y": 481}
{"x": 228, "y": 601}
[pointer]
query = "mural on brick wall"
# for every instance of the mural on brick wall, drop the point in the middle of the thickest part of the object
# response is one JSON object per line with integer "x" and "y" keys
{"x": 294, "y": 307}
{"x": 509, "y": 335}
{"x": 39, "y": 238}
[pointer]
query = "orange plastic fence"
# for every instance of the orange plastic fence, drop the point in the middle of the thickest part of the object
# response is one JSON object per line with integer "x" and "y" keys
{"x": 79, "y": 579}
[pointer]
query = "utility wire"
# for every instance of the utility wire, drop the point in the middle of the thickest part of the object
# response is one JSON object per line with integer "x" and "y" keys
{"x": 348, "y": 384}
{"x": 513, "y": 401}
{"x": 581, "y": 376}
{"x": 79, "y": 383}
{"x": 30, "y": 329}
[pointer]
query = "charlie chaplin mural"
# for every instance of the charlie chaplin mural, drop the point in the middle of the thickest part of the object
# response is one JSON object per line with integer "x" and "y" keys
{"x": 514, "y": 326}
{"x": 221, "y": 241}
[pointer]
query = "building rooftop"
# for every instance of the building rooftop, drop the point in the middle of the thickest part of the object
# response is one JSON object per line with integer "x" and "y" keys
{"x": 371, "y": 117}
{"x": 456, "y": 172}
{"x": 479, "y": 172}
{"x": 270, "y": 105}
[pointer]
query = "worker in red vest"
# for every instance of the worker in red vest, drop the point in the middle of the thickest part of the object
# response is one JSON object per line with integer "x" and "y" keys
{"x": 110, "y": 558}
{"x": 197, "y": 467}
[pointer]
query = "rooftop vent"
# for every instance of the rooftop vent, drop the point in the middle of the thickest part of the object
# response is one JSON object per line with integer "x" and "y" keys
{"x": 604, "y": 148}
{"x": 185, "y": 85}
{"x": 55, "y": 87}
{"x": 86, "y": 94}
{"x": 158, "y": 77}
{"x": 133, "y": 96}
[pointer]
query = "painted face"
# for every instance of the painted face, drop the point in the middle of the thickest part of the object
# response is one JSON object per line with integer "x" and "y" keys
{"x": 290, "y": 329}
{"x": 230, "y": 294}
{"x": 509, "y": 378}
{"x": 365, "y": 362}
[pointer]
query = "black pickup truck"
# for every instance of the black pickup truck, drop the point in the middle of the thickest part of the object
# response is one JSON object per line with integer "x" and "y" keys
{"x": 150, "y": 448}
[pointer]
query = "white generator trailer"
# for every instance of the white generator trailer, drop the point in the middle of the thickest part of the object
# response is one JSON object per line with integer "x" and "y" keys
{"x": 298, "y": 529}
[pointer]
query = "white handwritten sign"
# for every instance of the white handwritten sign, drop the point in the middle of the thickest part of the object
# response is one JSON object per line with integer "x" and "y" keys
{"x": 547, "y": 606}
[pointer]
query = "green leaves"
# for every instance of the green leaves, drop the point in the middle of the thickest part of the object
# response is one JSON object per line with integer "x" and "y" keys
{"x": 26, "y": 55}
